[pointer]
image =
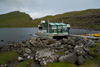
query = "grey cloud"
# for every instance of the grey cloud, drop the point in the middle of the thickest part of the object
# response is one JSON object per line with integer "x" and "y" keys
{"x": 45, "y": 7}
{"x": 11, "y": 5}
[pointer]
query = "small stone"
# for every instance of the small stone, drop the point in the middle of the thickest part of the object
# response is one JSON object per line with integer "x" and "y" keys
{"x": 66, "y": 52}
{"x": 2, "y": 40}
{"x": 2, "y": 65}
{"x": 20, "y": 59}
{"x": 35, "y": 58}
{"x": 43, "y": 63}
{"x": 25, "y": 55}
{"x": 27, "y": 50}
{"x": 6, "y": 65}
{"x": 29, "y": 57}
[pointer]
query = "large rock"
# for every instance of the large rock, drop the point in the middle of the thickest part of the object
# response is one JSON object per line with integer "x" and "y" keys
{"x": 28, "y": 44}
{"x": 69, "y": 47}
{"x": 64, "y": 41}
{"x": 45, "y": 56}
{"x": 27, "y": 50}
{"x": 20, "y": 50}
{"x": 23, "y": 45}
{"x": 71, "y": 58}
{"x": 52, "y": 41}
{"x": 46, "y": 42}
{"x": 80, "y": 60}
{"x": 33, "y": 42}
{"x": 91, "y": 43}
{"x": 43, "y": 38}
{"x": 86, "y": 49}
{"x": 58, "y": 43}
{"x": 79, "y": 51}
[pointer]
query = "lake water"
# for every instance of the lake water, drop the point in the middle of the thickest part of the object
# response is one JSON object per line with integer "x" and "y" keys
{"x": 13, "y": 35}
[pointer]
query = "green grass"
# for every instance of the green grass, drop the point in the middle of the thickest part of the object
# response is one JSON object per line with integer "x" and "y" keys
{"x": 24, "y": 64}
{"x": 61, "y": 53}
{"x": 88, "y": 63}
{"x": 98, "y": 44}
{"x": 8, "y": 56}
{"x": 59, "y": 64}
{"x": 94, "y": 54}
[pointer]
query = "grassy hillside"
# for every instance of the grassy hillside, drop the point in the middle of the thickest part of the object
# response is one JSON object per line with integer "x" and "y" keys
{"x": 15, "y": 19}
{"x": 78, "y": 19}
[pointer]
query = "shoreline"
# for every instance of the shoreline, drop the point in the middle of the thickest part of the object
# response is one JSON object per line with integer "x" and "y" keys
{"x": 71, "y": 28}
{"x": 45, "y": 50}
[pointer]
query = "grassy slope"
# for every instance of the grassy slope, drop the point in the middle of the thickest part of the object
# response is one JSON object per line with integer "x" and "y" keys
{"x": 8, "y": 56}
{"x": 15, "y": 19}
{"x": 24, "y": 64}
{"x": 78, "y": 19}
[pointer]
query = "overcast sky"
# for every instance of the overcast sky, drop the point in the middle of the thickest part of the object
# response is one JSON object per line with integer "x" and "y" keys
{"x": 40, "y": 8}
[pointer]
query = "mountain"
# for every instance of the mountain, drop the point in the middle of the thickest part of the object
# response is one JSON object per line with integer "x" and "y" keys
{"x": 15, "y": 19}
{"x": 77, "y": 19}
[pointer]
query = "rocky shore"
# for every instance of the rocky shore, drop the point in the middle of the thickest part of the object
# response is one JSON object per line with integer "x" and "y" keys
{"x": 44, "y": 50}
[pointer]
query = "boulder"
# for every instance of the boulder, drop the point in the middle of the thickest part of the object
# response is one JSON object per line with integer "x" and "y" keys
{"x": 71, "y": 42}
{"x": 69, "y": 47}
{"x": 91, "y": 43}
{"x": 71, "y": 58}
{"x": 52, "y": 41}
{"x": 80, "y": 60}
{"x": 45, "y": 56}
{"x": 79, "y": 51}
{"x": 27, "y": 50}
{"x": 19, "y": 51}
{"x": 25, "y": 54}
{"x": 86, "y": 49}
{"x": 28, "y": 44}
{"x": 88, "y": 57}
{"x": 58, "y": 43}
{"x": 64, "y": 41}
{"x": 43, "y": 38}
{"x": 45, "y": 42}
{"x": 32, "y": 42}
{"x": 23, "y": 45}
